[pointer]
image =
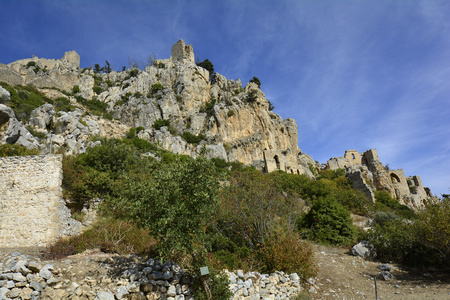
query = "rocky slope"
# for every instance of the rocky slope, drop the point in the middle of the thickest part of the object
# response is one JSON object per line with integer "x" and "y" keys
{"x": 232, "y": 121}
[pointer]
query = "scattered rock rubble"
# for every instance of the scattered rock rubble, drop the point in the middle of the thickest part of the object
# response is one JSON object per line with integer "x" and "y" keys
{"x": 119, "y": 277}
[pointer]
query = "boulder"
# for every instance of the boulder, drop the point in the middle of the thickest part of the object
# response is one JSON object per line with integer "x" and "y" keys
{"x": 14, "y": 132}
{"x": 364, "y": 249}
{"x": 42, "y": 116}
{"x": 4, "y": 95}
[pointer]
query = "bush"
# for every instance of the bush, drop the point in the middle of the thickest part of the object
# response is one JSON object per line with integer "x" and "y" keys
{"x": 63, "y": 104}
{"x": 16, "y": 150}
{"x": 252, "y": 208}
{"x": 206, "y": 64}
{"x": 76, "y": 89}
{"x": 109, "y": 235}
{"x": 24, "y": 99}
{"x": 31, "y": 64}
{"x": 252, "y": 96}
{"x": 328, "y": 222}
{"x": 384, "y": 202}
{"x": 156, "y": 88}
{"x": 97, "y": 89}
{"x": 176, "y": 204}
{"x": 393, "y": 240}
{"x": 161, "y": 123}
{"x": 95, "y": 106}
{"x": 256, "y": 81}
{"x": 432, "y": 231}
{"x": 193, "y": 139}
{"x": 209, "y": 107}
{"x": 218, "y": 285}
{"x": 134, "y": 72}
{"x": 286, "y": 252}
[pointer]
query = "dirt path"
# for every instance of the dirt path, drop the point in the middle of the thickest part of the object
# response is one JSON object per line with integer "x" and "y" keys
{"x": 344, "y": 276}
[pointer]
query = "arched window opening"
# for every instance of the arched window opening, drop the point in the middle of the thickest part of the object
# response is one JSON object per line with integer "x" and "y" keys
{"x": 395, "y": 178}
{"x": 277, "y": 161}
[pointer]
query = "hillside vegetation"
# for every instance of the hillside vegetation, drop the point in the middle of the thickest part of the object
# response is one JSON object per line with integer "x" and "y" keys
{"x": 210, "y": 212}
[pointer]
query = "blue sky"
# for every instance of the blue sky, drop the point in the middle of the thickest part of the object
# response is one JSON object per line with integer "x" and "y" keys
{"x": 353, "y": 74}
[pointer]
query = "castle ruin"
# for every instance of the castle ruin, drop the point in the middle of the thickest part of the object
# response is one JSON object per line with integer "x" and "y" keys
{"x": 367, "y": 174}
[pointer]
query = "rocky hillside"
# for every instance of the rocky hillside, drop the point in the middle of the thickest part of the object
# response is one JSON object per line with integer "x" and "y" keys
{"x": 174, "y": 103}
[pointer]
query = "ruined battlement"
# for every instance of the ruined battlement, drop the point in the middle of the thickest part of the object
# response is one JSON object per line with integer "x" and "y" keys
{"x": 368, "y": 174}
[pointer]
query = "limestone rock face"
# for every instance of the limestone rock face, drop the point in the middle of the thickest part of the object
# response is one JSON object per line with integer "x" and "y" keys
{"x": 233, "y": 121}
{"x": 12, "y": 131}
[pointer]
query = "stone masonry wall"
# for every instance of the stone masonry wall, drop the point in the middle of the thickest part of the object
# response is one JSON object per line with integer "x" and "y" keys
{"x": 32, "y": 212}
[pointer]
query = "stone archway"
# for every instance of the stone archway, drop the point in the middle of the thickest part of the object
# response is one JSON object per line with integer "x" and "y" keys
{"x": 395, "y": 178}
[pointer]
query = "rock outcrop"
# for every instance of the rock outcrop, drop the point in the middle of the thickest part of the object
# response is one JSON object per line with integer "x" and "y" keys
{"x": 12, "y": 131}
{"x": 233, "y": 121}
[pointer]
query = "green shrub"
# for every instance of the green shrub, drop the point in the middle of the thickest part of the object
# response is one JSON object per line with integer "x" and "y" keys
{"x": 432, "y": 232}
{"x": 328, "y": 222}
{"x": 206, "y": 64}
{"x": 24, "y": 99}
{"x": 217, "y": 283}
{"x": 230, "y": 113}
{"x": 31, "y": 64}
{"x": 161, "y": 123}
{"x": 219, "y": 163}
{"x": 97, "y": 89}
{"x": 95, "y": 106}
{"x": 16, "y": 150}
{"x": 393, "y": 240}
{"x": 63, "y": 104}
{"x": 384, "y": 202}
{"x": 76, "y": 89}
{"x": 193, "y": 139}
{"x": 156, "y": 88}
{"x": 252, "y": 96}
{"x": 209, "y": 107}
{"x": 131, "y": 134}
{"x": 256, "y": 81}
{"x": 134, "y": 72}
{"x": 252, "y": 208}
{"x": 182, "y": 196}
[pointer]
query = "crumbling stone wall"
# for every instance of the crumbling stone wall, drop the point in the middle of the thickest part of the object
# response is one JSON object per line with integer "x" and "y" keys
{"x": 32, "y": 212}
{"x": 181, "y": 51}
{"x": 408, "y": 190}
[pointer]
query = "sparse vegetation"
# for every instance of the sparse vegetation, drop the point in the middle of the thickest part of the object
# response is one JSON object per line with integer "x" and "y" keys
{"x": 158, "y": 124}
{"x": 156, "y": 88}
{"x": 16, "y": 150}
{"x": 192, "y": 138}
{"x": 256, "y": 81}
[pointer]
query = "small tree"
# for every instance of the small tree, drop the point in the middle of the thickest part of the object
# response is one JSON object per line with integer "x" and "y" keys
{"x": 206, "y": 64}
{"x": 256, "y": 81}
{"x": 177, "y": 205}
{"x": 107, "y": 68}
{"x": 97, "y": 68}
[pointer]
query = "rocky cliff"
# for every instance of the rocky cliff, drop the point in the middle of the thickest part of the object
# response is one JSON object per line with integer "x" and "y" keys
{"x": 231, "y": 121}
